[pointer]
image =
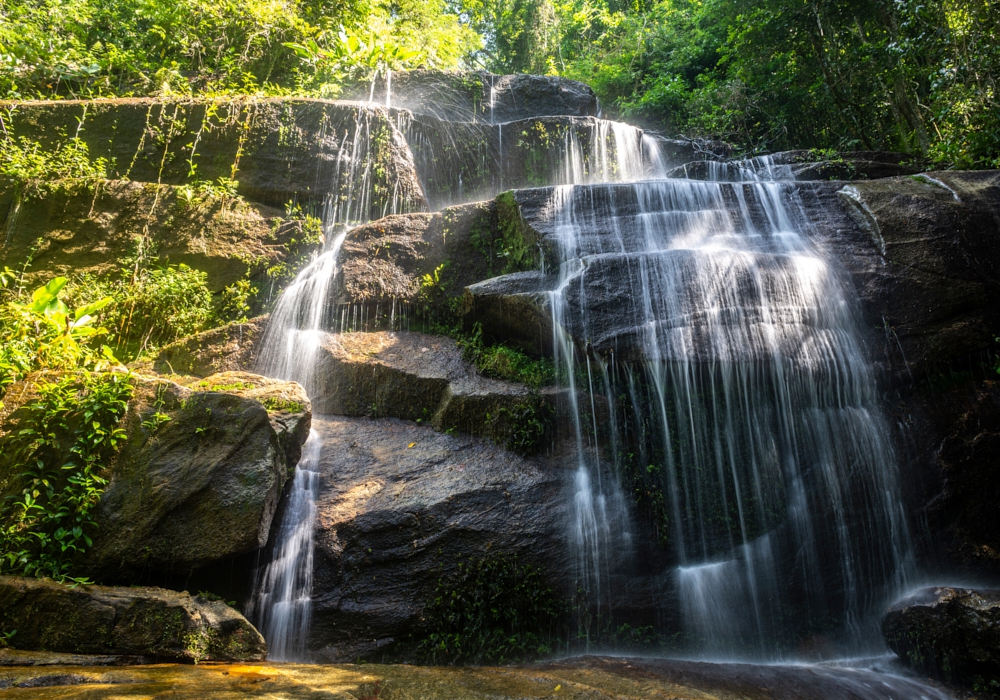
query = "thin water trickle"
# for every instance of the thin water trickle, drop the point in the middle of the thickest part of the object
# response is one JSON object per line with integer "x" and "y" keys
{"x": 282, "y": 603}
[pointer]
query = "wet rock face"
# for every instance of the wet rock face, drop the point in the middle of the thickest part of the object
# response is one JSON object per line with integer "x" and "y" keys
{"x": 283, "y": 149}
{"x": 202, "y": 486}
{"x": 74, "y": 227}
{"x": 803, "y": 166}
{"x": 400, "y": 506}
{"x": 936, "y": 278}
{"x": 949, "y": 633}
{"x": 923, "y": 253}
{"x": 953, "y": 427}
{"x": 135, "y": 621}
{"x": 479, "y": 96}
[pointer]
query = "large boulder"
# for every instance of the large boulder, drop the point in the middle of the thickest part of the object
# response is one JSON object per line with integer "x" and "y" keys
{"x": 950, "y": 633}
{"x": 153, "y": 623}
{"x": 203, "y": 486}
{"x": 197, "y": 478}
{"x": 400, "y": 507}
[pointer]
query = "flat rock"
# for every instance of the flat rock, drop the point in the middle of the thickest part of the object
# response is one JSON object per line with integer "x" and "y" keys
{"x": 134, "y": 621}
{"x": 949, "y": 633}
{"x": 416, "y": 377}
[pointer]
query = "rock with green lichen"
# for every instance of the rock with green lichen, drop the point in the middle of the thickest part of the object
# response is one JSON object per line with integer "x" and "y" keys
{"x": 229, "y": 348}
{"x": 137, "y": 621}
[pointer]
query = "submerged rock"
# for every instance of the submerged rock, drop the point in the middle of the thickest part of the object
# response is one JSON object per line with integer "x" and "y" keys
{"x": 949, "y": 633}
{"x": 135, "y": 621}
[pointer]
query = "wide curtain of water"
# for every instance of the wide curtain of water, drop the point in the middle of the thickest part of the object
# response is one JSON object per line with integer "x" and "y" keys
{"x": 745, "y": 411}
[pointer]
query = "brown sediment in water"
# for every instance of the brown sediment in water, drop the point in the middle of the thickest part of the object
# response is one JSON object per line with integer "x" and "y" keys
{"x": 587, "y": 678}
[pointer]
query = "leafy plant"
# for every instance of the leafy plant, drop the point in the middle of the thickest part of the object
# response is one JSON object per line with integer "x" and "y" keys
{"x": 503, "y": 362}
{"x": 44, "y": 333}
{"x": 491, "y": 610}
{"x": 62, "y": 442}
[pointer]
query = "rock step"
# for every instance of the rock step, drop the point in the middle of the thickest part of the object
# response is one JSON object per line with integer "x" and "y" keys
{"x": 949, "y": 633}
{"x": 417, "y": 377}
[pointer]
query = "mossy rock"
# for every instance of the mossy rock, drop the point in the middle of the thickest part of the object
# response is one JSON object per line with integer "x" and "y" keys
{"x": 151, "y": 623}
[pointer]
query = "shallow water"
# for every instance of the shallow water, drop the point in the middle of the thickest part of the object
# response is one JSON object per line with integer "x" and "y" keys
{"x": 582, "y": 677}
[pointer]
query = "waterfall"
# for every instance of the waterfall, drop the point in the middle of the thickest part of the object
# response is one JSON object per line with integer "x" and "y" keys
{"x": 717, "y": 382}
{"x": 752, "y": 406}
{"x": 282, "y": 601}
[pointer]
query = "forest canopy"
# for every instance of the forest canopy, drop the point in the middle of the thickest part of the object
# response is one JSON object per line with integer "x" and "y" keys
{"x": 908, "y": 75}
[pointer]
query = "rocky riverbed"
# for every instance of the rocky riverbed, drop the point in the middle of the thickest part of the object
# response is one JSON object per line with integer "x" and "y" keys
{"x": 591, "y": 678}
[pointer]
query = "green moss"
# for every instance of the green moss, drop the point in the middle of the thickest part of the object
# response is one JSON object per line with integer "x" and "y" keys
{"x": 524, "y": 427}
{"x": 279, "y": 405}
{"x": 491, "y": 610}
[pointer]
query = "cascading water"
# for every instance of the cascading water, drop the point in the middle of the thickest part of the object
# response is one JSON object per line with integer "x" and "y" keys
{"x": 282, "y": 593}
{"x": 751, "y": 405}
{"x": 722, "y": 346}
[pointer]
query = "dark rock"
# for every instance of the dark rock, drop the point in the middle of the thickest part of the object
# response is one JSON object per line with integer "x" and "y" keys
{"x": 513, "y": 310}
{"x": 420, "y": 263}
{"x": 479, "y": 96}
{"x": 133, "y": 621}
{"x": 417, "y": 377}
{"x": 400, "y": 506}
{"x": 802, "y": 166}
{"x": 935, "y": 282}
{"x": 949, "y": 633}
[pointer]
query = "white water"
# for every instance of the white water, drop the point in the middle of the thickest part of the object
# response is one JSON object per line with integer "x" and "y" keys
{"x": 281, "y": 600}
{"x": 760, "y": 404}
{"x": 282, "y": 605}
